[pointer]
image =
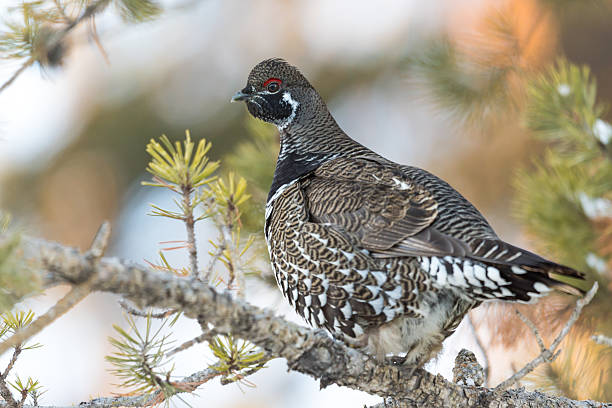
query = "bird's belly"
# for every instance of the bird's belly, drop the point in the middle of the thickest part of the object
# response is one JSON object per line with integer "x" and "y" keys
{"x": 418, "y": 339}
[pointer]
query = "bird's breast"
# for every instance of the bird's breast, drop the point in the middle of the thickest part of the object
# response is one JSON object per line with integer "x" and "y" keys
{"x": 329, "y": 280}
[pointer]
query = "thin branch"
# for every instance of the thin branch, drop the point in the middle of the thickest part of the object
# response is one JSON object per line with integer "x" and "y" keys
{"x": 214, "y": 257}
{"x": 13, "y": 77}
{"x": 199, "y": 339}
{"x": 4, "y": 390}
{"x": 190, "y": 226}
{"x": 100, "y": 243}
{"x": 96, "y": 38}
{"x": 140, "y": 313}
{"x": 548, "y": 355}
{"x": 11, "y": 363}
{"x": 533, "y": 328}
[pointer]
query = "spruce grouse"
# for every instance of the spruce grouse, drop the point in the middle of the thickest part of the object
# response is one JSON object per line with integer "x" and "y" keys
{"x": 384, "y": 256}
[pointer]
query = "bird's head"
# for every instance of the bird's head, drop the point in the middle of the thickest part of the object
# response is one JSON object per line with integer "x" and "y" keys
{"x": 276, "y": 91}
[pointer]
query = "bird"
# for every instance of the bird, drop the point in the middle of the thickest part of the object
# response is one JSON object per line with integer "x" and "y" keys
{"x": 386, "y": 257}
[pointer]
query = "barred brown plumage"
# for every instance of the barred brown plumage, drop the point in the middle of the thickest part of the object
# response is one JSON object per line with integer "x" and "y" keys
{"x": 384, "y": 256}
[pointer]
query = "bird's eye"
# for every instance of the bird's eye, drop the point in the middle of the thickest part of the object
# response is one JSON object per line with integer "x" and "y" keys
{"x": 272, "y": 85}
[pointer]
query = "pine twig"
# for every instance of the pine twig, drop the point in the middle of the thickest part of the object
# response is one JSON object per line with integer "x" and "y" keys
{"x": 214, "y": 257}
{"x": 199, "y": 339}
{"x": 11, "y": 363}
{"x": 190, "y": 226}
{"x": 5, "y": 393}
{"x": 547, "y": 355}
{"x": 140, "y": 313}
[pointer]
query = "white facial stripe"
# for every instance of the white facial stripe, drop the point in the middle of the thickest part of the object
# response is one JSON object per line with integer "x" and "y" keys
{"x": 294, "y": 105}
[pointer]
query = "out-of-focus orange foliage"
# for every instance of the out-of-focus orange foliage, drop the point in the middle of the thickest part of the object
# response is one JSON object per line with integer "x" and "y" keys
{"x": 509, "y": 33}
{"x": 76, "y": 196}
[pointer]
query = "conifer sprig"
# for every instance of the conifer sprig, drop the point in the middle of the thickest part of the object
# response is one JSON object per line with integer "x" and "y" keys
{"x": 570, "y": 188}
{"x": 11, "y": 323}
{"x": 563, "y": 109}
{"x": 139, "y": 358}
{"x": 37, "y": 30}
{"x": 236, "y": 358}
{"x": 185, "y": 170}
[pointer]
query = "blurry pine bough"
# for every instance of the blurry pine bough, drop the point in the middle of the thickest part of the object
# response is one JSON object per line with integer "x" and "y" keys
{"x": 36, "y": 32}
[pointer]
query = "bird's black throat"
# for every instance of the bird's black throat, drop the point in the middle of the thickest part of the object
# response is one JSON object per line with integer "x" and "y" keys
{"x": 292, "y": 166}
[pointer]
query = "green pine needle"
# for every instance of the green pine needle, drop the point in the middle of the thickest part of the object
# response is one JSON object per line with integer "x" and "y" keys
{"x": 139, "y": 358}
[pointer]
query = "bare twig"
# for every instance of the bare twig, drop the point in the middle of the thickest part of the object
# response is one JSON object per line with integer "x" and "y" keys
{"x": 96, "y": 38}
{"x": 13, "y": 77}
{"x": 141, "y": 313}
{"x": 601, "y": 339}
{"x": 214, "y": 257}
{"x": 199, "y": 339}
{"x": 533, "y": 328}
{"x": 547, "y": 354}
{"x": 99, "y": 244}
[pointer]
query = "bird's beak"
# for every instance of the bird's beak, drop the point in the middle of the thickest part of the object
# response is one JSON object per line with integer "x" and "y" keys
{"x": 240, "y": 96}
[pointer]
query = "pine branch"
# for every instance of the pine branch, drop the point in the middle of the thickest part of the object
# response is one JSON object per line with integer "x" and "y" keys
{"x": 306, "y": 351}
{"x": 53, "y": 41}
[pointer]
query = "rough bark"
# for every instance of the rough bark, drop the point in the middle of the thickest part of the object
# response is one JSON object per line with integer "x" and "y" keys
{"x": 307, "y": 351}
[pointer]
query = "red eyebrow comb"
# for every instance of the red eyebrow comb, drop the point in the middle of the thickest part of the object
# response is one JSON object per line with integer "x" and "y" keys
{"x": 272, "y": 80}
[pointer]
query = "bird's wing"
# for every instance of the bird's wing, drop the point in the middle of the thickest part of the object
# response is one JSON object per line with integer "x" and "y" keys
{"x": 378, "y": 207}
{"x": 382, "y": 210}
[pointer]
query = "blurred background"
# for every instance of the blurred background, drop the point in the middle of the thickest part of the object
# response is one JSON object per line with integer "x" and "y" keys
{"x": 439, "y": 85}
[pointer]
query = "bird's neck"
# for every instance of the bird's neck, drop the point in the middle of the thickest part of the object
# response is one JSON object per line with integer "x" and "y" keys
{"x": 308, "y": 142}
